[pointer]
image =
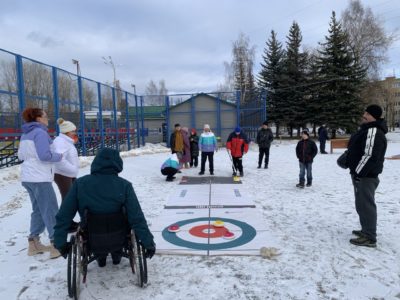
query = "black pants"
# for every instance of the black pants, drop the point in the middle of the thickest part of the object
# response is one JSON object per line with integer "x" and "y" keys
{"x": 237, "y": 162}
{"x": 322, "y": 146}
{"x": 204, "y": 156}
{"x": 169, "y": 171}
{"x": 364, "y": 192}
{"x": 261, "y": 153}
{"x": 194, "y": 161}
{"x": 64, "y": 183}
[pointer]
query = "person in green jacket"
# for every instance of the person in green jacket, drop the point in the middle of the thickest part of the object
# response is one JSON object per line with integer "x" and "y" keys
{"x": 102, "y": 192}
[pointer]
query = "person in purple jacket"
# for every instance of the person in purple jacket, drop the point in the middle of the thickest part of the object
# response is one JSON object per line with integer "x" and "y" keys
{"x": 37, "y": 175}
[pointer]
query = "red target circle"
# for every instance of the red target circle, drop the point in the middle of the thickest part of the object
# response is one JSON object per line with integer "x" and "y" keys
{"x": 208, "y": 231}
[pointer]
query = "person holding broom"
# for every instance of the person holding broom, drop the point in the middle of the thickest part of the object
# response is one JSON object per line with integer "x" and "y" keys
{"x": 238, "y": 145}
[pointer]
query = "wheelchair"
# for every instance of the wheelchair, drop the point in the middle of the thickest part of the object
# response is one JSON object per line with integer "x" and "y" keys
{"x": 99, "y": 235}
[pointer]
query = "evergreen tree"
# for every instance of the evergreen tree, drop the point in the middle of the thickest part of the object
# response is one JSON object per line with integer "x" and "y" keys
{"x": 343, "y": 79}
{"x": 269, "y": 80}
{"x": 294, "y": 78}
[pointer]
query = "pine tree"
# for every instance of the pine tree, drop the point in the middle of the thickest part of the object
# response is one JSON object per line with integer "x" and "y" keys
{"x": 294, "y": 78}
{"x": 343, "y": 78}
{"x": 269, "y": 80}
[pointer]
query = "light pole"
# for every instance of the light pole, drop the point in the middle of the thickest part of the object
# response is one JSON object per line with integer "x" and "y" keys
{"x": 109, "y": 61}
{"x": 134, "y": 88}
{"x": 78, "y": 69}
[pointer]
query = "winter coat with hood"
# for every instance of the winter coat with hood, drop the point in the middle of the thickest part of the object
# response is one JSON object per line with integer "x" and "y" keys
{"x": 69, "y": 165}
{"x": 367, "y": 148}
{"x": 102, "y": 192}
{"x": 238, "y": 144}
{"x": 37, "y": 152}
{"x": 306, "y": 150}
{"x": 171, "y": 162}
{"x": 207, "y": 142}
{"x": 264, "y": 138}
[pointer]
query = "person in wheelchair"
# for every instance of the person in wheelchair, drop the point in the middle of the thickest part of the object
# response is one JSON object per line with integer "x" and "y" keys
{"x": 103, "y": 192}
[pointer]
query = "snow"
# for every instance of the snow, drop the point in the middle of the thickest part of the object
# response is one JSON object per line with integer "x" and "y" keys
{"x": 313, "y": 227}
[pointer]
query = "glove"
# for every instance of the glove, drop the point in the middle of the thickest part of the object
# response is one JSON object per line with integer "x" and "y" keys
{"x": 150, "y": 251}
{"x": 64, "y": 250}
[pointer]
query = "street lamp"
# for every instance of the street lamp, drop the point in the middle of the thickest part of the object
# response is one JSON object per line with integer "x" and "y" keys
{"x": 109, "y": 61}
{"x": 78, "y": 69}
{"x": 134, "y": 88}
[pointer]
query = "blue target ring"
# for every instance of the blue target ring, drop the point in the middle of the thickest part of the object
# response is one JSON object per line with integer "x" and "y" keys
{"x": 248, "y": 233}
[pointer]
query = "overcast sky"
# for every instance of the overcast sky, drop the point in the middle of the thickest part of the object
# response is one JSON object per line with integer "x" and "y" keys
{"x": 184, "y": 42}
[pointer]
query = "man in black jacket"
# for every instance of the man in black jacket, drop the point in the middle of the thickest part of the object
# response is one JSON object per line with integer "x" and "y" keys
{"x": 306, "y": 150}
{"x": 366, "y": 154}
{"x": 264, "y": 140}
{"x": 322, "y": 136}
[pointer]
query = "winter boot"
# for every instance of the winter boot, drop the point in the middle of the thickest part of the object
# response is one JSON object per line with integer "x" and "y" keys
{"x": 241, "y": 174}
{"x": 54, "y": 253}
{"x": 300, "y": 185}
{"x": 363, "y": 241}
{"x": 259, "y": 167}
{"x": 309, "y": 183}
{"x": 36, "y": 247}
{"x": 266, "y": 167}
{"x": 358, "y": 233}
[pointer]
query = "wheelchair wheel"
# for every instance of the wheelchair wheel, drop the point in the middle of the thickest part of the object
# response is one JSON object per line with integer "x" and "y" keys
{"x": 69, "y": 268}
{"x": 136, "y": 260}
{"x": 76, "y": 267}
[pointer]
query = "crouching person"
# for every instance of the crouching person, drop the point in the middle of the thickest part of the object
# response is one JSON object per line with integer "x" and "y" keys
{"x": 170, "y": 167}
{"x": 103, "y": 192}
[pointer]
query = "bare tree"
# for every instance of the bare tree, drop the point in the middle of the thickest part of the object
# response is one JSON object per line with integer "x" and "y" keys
{"x": 155, "y": 95}
{"x": 368, "y": 39}
{"x": 239, "y": 72}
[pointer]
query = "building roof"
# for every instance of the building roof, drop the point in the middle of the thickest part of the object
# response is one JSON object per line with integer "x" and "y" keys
{"x": 205, "y": 95}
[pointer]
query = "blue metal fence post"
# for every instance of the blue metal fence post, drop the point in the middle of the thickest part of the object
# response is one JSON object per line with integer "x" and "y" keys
{"x": 167, "y": 116}
{"x": 115, "y": 118}
{"x": 100, "y": 115}
{"x": 55, "y": 96}
{"x": 219, "y": 131}
{"x": 193, "y": 112}
{"x": 237, "y": 108}
{"x": 128, "y": 133}
{"x": 137, "y": 122}
{"x": 142, "y": 118}
{"x": 82, "y": 115}
{"x": 20, "y": 82}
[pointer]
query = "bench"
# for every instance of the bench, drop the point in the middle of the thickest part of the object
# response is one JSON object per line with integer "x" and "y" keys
{"x": 339, "y": 143}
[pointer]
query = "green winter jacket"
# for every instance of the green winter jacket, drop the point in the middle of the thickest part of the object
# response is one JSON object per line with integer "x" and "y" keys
{"x": 102, "y": 192}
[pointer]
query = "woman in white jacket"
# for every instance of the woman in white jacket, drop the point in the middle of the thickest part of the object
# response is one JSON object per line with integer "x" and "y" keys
{"x": 67, "y": 169}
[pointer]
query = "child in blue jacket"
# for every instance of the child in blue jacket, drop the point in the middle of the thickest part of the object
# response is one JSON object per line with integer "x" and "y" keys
{"x": 170, "y": 167}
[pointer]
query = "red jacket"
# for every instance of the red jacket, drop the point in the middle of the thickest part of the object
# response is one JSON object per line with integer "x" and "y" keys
{"x": 238, "y": 144}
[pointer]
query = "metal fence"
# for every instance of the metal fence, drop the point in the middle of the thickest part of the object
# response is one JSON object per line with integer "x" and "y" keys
{"x": 105, "y": 116}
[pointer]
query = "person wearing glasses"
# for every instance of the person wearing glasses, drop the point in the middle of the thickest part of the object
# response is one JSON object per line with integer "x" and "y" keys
{"x": 37, "y": 175}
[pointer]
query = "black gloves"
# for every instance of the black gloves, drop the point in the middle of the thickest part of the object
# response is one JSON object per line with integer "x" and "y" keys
{"x": 64, "y": 250}
{"x": 150, "y": 251}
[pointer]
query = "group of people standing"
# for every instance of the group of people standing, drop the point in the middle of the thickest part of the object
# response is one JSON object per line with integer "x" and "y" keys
{"x": 187, "y": 148}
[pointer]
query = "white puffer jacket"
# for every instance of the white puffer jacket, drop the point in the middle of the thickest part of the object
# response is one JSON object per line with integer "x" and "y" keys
{"x": 69, "y": 165}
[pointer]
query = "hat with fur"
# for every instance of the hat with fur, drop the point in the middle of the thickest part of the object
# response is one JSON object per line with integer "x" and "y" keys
{"x": 65, "y": 126}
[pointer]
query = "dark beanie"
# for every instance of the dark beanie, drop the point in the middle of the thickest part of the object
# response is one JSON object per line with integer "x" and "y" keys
{"x": 177, "y": 125}
{"x": 265, "y": 123}
{"x": 306, "y": 132}
{"x": 374, "y": 110}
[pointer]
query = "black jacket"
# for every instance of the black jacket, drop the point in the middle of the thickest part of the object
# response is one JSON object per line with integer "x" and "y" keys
{"x": 264, "y": 138}
{"x": 306, "y": 150}
{"x": 194, "y": 145}
{"x": 367, "y": 148}
{"x": 322, "y": 134}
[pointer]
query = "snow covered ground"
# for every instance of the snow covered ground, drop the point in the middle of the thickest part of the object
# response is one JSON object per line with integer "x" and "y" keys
{"x": 313, "y": 227}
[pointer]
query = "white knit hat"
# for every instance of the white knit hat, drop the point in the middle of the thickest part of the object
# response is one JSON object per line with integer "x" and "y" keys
{"x": 65, "y": 126}
{"x": 206, "y": 126}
